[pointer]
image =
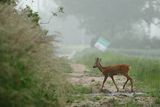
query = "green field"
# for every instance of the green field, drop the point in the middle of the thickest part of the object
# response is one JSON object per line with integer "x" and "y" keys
{"x": 145, "y": 71}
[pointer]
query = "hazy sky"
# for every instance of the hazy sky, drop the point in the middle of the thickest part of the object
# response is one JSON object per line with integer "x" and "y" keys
{"x": 68, "y": 26}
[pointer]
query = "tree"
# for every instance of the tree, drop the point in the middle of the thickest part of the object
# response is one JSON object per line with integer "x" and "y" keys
{"x": 112, "y": 18}
{"x": 105, "y": 16}
{"x": 151, "y": 11}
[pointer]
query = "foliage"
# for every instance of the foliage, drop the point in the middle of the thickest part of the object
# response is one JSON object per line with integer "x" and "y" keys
{"x": 64, "y": 65}
{"x": 32, "y": 15}
{"x": 7, "y": 1}
{"x": 30, "y": 74}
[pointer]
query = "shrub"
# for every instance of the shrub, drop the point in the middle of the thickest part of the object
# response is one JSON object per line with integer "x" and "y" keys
{"x": 29, "y": 71}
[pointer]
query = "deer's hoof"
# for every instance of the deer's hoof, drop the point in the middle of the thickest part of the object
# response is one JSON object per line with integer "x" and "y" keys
{"x": 117, "y": 90}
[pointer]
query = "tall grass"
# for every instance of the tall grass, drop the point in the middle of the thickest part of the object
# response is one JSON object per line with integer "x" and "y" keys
{"x": 30, "y": 74}
{"x": 146, "y": 72}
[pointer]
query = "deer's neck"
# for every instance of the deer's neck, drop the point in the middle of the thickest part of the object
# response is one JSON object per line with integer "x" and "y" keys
{"x": 100, "y": 67}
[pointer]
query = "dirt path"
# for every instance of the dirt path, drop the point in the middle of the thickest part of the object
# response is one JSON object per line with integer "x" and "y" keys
{"x": 109, "y": 96}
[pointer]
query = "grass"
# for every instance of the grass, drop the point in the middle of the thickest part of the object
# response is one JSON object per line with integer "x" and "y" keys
{"x": 78, "y": 93}
{"x": 80, "y": 89}
{"x": 145, "y": 71}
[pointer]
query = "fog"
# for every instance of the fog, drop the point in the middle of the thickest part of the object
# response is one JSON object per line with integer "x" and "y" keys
{"x": 125, "y": 24}
{"x": 67, "y": 26}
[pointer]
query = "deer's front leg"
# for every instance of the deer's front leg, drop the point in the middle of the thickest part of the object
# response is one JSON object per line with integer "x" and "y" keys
{"x": 105, "y": 78}
{"x": 125, "y": 83}
{"x": 114, "y": 83}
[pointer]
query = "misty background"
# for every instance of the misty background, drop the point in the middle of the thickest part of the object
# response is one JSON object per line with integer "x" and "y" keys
{"x": 48, "y": 50}
{"x": 126, "y": 24}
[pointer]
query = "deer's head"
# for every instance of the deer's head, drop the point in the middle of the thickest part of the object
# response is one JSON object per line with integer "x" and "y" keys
{"x": 97, "y": 62}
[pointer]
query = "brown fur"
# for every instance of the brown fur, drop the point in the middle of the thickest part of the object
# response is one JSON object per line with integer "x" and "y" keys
{"x": 121, "y": 69}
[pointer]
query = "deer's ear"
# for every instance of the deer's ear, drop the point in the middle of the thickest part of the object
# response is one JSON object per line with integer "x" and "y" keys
{"x": 100, "y": 59}
{"x": 97, "y": 58}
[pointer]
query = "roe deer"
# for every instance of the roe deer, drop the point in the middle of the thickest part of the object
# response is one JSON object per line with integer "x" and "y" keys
{"x": 110, "y": 71}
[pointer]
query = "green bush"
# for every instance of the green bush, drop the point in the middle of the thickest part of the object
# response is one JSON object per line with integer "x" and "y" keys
{"x": 30, "y": 74}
